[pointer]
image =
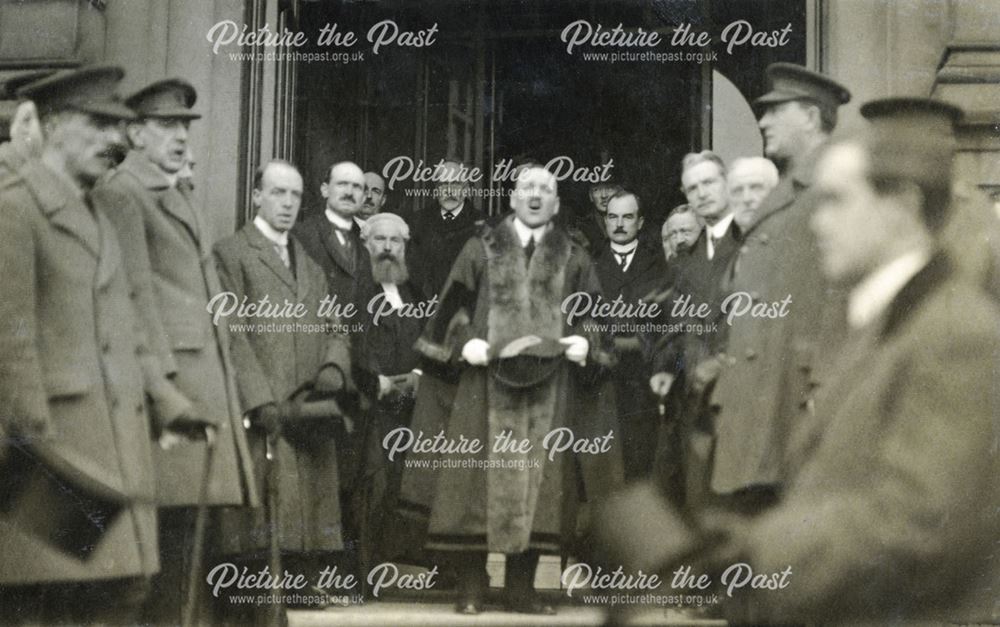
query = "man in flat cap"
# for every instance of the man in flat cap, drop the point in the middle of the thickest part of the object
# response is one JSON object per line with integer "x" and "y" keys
{"x": 20, "y": 130}
{"x": 167, "y": 249}
{"x": 74, "y": 431}
{"x": 767, "y": 364}
{"x": 893, "y": 481}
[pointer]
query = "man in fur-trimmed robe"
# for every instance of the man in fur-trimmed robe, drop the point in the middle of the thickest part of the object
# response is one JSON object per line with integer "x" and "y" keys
{"x": 509, "y": 282}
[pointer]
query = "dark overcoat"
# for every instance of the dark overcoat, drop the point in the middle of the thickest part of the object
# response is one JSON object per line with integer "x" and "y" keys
{"x": 891, "y": 512}
{"x": 636, "y": 405}
{"x": 270, "y": 366}
{"x": 435, "y": 244}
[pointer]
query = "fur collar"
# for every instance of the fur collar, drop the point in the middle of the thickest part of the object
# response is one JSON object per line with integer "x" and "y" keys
{"x": 525, "y": 297}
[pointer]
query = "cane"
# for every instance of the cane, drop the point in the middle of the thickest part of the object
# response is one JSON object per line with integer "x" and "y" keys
{"x": 274, "y": 525}
{"x": 201, "y": 516}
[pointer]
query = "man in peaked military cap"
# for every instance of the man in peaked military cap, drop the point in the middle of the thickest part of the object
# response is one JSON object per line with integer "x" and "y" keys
{"x": 20, "y": 130}
{"x": 768, "y": 364}
{"x": 77, "y": 518}
{"x": 167, "y": 247}
{"x": 890, "y": 508}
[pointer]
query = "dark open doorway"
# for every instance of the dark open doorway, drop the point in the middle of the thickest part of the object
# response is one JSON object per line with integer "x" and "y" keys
{"x": 498, "y": 84}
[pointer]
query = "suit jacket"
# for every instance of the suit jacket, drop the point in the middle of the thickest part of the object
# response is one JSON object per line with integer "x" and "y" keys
{"x": 644, "y": 274}
{"x": 891, "y": 510}
{"x": 343, "y": 274}
{"x": 167, "y": 251}
{"x": 71, "y": 373}
{"x": 770, "y": 362}
{"x": 435, "y": 244}
{"x": 270, "y": 367}
{"x": 701, "y": 279}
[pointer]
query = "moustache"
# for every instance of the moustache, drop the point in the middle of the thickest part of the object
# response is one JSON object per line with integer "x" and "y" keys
{"x": 386, "y": 257}
{"x": 620, "y": 230}
{"x": 347, "y": 197}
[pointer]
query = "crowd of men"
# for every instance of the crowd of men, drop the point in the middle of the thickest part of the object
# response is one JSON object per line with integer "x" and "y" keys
{"x": 812, "y": 386}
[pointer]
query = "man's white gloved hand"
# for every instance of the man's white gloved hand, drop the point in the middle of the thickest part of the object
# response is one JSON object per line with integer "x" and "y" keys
{"x": 577, "y": 348}
{"x": 476, "y": 352}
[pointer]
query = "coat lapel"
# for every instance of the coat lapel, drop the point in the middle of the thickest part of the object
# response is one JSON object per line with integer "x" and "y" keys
{"x": 300, "y": 259}
{"x": 172, "y": 201}
{"x": 269, "y": 256}
{"x": 333, "y": 247}
{"x": 62, "y": 206}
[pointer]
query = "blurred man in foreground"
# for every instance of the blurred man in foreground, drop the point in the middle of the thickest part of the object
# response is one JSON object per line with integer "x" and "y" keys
{"x": 892, "y": 492}
{"x": 20, "y": 128}
{"x": 78, "y": 522}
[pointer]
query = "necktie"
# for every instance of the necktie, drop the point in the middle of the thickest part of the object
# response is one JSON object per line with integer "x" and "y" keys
{"x": 713, "y": 241}
{"x": 622, "y": 260}
{"x": 344, "y": 237}
{"x": 282, "y": 251}
{"x": 529, "y": 249}
{"x": 448, "y": 216}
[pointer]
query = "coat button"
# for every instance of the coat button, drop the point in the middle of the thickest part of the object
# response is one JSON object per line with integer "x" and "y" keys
{"x": 764, "y": 238}
{"x": 751, "y": 354}
{"x": 105, "y": 346}
{"x": 755, "y": 297}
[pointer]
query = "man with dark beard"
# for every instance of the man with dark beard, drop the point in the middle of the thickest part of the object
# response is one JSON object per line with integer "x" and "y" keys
{"x": 385, "y": 368}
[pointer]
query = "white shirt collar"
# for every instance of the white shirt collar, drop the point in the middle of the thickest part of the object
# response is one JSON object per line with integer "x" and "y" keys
{"x": 716, "y": 232}
{"x": 359, "y": 221}
{"x": 453, "y": 212}
{"x": 524, "y": 232}
{"x": 392, "y": 296}
{"x": 720, "y": 228}
{"x": 339, "y": 221}
{"x": 625, "y": 249}
{"x": 872, "y": 295}
{"x": 277, "y": 237}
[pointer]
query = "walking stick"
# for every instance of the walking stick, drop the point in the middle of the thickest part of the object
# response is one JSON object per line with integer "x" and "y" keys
{"x": 201, "y": 515}
{"x": 274, "y": 526}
